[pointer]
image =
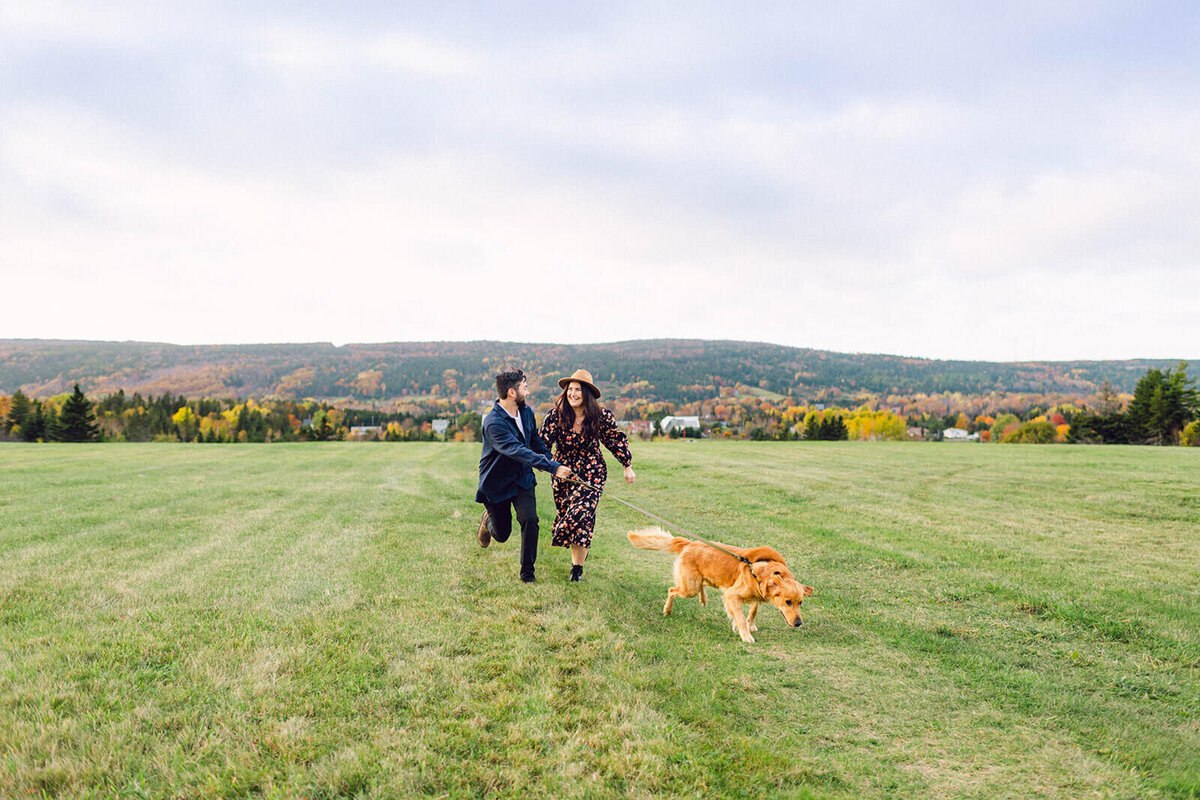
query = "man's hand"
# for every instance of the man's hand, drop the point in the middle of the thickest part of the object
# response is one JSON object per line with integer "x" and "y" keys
{"x": 563, "y": 472}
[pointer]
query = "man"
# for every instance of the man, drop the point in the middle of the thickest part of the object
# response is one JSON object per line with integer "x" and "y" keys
{"x": 511, "y": 448}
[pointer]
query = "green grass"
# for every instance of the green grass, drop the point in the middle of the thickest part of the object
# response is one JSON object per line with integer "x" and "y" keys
{"x": 316, "y": 620}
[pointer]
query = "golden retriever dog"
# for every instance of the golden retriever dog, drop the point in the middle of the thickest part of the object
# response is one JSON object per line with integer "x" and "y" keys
{"x": 766, "y": 580}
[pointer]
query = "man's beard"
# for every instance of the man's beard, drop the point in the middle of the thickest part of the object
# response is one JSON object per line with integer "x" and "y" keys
{"x": 521, "y": 403}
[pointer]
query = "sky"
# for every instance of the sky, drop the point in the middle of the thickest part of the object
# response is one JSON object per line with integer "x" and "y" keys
{"x": 959, "y": 180}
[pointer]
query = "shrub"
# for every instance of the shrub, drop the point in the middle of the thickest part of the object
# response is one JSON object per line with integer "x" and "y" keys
{"x": 1035, "y": 432}
{"x": 1004, "y": 424}
{"x": 1191, "y": 434}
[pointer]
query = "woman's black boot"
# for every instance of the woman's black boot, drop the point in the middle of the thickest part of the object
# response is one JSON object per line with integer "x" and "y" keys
{"x": 576, "y": 572}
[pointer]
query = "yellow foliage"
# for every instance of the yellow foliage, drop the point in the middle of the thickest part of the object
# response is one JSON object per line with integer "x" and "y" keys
{"x": 868, "y": 425}
{"x": 184, "y": 417}
{"x": 370, "y": 381}
{"x": 1190, "y": 437}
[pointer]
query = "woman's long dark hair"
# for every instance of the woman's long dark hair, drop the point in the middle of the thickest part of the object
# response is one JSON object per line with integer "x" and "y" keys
{"x": 591, "y": 411}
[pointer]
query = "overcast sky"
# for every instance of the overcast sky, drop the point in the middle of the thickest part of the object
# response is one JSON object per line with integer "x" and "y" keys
{"x": 1000, "y": 181}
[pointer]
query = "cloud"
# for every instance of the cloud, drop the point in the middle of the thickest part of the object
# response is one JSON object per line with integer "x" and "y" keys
{"x": 927, "y": 178}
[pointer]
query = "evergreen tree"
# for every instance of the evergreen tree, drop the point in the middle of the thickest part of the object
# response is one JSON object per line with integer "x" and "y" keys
{"x": 18, "y": 412}
{"x": 812, "y": 428}
{"x": 77, "y": 423}
{"x": 1162, "y": 405}
{"x": 51, "y": 427}
{"x": 35, "y": 424}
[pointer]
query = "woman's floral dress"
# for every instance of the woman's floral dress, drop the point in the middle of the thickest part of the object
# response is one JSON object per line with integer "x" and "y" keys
{"x": 576, "y": 506}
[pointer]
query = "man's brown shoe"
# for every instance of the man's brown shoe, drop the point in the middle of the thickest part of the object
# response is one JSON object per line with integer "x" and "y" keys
{"x": 485, "y": 536}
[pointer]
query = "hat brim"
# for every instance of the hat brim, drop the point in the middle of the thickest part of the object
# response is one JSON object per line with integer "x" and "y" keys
{"x": 564, "y": 382}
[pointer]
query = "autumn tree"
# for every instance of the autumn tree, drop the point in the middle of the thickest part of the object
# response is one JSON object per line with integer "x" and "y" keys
{"x": 1190, "y": 437}
{"x": 1107, "y": 400}
{"x": 186, "y": 423}
{"x": 1005, "y": 423}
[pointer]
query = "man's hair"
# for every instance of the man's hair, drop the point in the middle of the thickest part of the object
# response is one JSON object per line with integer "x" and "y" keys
{"x": 507, "y": 380}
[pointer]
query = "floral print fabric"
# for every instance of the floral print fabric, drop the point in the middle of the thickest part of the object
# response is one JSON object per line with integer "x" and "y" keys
{"x": 576, "y": 506}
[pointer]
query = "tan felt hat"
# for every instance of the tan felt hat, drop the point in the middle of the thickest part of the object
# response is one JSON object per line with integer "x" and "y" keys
{"x": 584, "y": 377}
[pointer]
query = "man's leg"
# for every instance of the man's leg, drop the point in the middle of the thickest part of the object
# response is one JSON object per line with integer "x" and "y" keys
{"x": 499, "y": 520}
{"x": 526, "y": 506}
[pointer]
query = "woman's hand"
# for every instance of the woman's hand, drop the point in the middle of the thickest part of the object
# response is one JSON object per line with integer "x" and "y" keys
{"x": 630, "y": 475}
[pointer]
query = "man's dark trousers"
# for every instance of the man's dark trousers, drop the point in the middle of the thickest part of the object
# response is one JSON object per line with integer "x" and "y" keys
{"x": 500, "y": 525}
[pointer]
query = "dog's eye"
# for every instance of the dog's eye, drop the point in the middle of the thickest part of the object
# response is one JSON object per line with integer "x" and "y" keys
{"x": 789, "y": 602}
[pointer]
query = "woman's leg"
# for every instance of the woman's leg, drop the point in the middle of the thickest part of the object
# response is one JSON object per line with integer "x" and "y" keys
{"x": 578, "y": 554}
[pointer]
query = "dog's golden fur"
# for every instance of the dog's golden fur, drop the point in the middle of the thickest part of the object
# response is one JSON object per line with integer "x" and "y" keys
{"x": 767, "y": 580}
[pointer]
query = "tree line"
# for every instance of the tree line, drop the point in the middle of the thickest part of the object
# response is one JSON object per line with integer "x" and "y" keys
{"x": 123, "y": 418}
{"x": 1163, "y": 410}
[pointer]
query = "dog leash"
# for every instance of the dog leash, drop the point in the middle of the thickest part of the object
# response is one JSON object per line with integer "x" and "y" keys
{"x": 669, "y": 524}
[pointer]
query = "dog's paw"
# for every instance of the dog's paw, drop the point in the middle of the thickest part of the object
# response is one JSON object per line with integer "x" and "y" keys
{"x": 753, "y": 628}
{"x": 747, "y": 638}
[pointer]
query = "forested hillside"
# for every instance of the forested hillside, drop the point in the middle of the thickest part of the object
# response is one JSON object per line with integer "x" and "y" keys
{"x": 676, "y": 371}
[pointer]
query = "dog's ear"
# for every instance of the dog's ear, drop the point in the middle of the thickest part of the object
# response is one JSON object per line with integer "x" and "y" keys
{"x": 808, "y": 590}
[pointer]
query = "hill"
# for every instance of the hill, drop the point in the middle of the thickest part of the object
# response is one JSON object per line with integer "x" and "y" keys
{"x": 669, "y": 370}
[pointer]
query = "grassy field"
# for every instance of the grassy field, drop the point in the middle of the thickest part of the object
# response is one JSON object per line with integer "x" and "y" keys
{"x": 316, "y": 620}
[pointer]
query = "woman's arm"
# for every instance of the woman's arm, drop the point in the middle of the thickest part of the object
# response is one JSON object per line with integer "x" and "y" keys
{"x": 614, "y": 439}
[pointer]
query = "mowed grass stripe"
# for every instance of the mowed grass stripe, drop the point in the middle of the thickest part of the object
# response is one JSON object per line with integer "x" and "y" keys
{"x": 316, "y": 620}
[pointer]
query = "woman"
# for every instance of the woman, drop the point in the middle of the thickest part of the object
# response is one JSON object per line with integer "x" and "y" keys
{"x": 575, "y": 428}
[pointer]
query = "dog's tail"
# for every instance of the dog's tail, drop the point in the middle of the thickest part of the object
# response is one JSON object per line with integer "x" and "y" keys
{"x": 657, "y": 539}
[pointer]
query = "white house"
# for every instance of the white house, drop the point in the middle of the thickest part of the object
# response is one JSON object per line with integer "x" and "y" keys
{"x": 440, "y": 426}
{"x": 954, "y": 435}
{"x": 669, "y": 424}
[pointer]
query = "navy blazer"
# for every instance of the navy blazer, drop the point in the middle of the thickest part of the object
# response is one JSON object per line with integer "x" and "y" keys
{"x": 508, "y": 457}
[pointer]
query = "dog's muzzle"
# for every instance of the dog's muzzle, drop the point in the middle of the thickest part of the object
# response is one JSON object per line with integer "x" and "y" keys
{"x": 798, "y": 623}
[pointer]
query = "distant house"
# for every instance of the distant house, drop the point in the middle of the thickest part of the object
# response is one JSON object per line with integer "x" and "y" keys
{"x": 917, "y": 433}
{"x": 366, "y": 431}
{"x": 636, "y": 427}
{"x": 669, "y": 424}
{"x": 440, "y": 426}
{"x": 954, "y": 435}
